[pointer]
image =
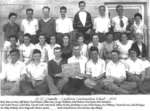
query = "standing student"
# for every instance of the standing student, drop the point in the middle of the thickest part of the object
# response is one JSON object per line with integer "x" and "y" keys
{"x": 119, "y": 22}
{"x": 83, "y": 22}
{"x": 64, "y": 25}
{"x": 102, "y": 23}
{"x": 47, "y": 25}
{"x": 11, "y": 27}
{"x": 30, "y": 25}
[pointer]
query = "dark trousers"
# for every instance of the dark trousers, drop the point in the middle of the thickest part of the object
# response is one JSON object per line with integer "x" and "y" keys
{"x": 76, "y": 86}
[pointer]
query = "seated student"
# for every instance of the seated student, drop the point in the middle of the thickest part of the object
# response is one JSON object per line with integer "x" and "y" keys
{"x": 83, "y": 46}
{"x": 139, "y": 46}
{"x": 135, "y": 68}
{"x": 108, "y": 46}
{"x": 124, "y": 45}
{"x": 26, "y": 49}
{"x": 95, "y": 68}
{"x": 12, "y": 74}
{"x": 95, "y": 42}
{"x": 76, "y": 85}
{"x": 66, "y": 48}
{"x": 42, "y": 46}
{"x": 54, "y": 78}
{"x": 51, "y": 47}
{"x": 8, "y": 47}
{"x": 116, "y": 76}
{"x": 33, "y": 82}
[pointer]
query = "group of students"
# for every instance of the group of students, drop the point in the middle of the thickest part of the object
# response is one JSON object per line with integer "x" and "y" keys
{"x": 110, "y": 52}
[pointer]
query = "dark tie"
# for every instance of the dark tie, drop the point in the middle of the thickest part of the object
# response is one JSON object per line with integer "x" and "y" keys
{"x": 121, "y": 23}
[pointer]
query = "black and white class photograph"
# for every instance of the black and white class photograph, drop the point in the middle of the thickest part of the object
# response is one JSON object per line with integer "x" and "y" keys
{"x": 74, "y": 47}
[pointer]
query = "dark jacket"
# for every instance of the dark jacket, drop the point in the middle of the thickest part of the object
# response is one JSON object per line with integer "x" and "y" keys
{"x": 139, "y": 53}
{"x": 77, "y": 24}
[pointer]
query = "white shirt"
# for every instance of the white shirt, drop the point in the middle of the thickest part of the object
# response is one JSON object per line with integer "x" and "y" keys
{"x": 84, "y": 50}
{"x": 116, "y": 70}
{"x": 135, "y": 67}
{"x": 101, "y": 24}
{"x": 13, "y": 72}
{"x": 81, "y": 60}
{"x": 26, "y": 51}
{"x": 82, "y": 16}
{"x": 64, "y": 25}
{"x": 50, "y": 50}
{"x": 124, "y": 48}
{"x": 116, "y": 24}
{"x": 36, "y": 72}
{"x": 139, "y": 28}
{"x": 29, "y": 26}
{"x": 44, "y": 51}
{"x": 95, "y": 69}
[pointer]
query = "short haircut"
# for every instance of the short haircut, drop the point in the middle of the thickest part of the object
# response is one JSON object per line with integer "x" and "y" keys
{"x": 137, "y": 15}
{"x": 76, "y": 45}
{"x": 132, "y": 49}
{"x": 118, "y": 6}
{"x": 64, "y": 35}
{"x": 115, "y": 51}
{"x": 82, "y": 2}
{"x": 27, "y": 34}
{"x": 46, "y": 7}
{"x": 108, "y": 33}
{"x": 94, "y": 49}
{"x": 12, "y": 14}
{"x": 41, "y": 35}
{"x": 12, "y": 36}
{"x": 57, "y": 48}
{"x": 63, "y": 8}
{"x": 29, "y": 9}
{"x": 80, "y": 35}
{"x": 94, "y": 35}
{"x": 102, "y": 6}
{"x": 36, "y": 51}
{"x": 14, "y": 50}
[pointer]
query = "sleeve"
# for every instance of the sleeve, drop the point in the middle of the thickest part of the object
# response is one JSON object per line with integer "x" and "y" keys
{"x": 4, "y": 28}
{"x": 103, "y": 67}
{"x": 49, "y": 67}
{"x": 36, "y": 24}
{"x": 88, "y": 70}
{"x": 94, "y": 25}
{"x": 22, "y": 26}
{"x": 108, "y": 70}
{"x": 71, "y": 26}
{"x": 54, "y": 23}
{"x": 90, "y": 21}
{"x": 75, "y": 21}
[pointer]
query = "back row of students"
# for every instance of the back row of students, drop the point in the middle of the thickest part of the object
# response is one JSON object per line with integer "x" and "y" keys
{"x": 82, "y": 23}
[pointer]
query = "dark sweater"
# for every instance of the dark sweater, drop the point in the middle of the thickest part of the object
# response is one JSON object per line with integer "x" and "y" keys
{"x": 47, "y": 28}
{"x": 9, "y": 29}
